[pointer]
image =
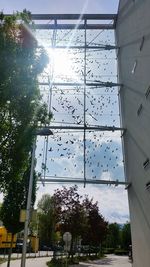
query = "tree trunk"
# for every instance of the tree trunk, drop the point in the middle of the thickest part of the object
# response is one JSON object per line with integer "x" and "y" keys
{"x": 10, "y": 251}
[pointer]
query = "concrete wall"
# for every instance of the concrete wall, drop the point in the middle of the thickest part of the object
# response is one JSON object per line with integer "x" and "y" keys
{"x": 133, "y": 38}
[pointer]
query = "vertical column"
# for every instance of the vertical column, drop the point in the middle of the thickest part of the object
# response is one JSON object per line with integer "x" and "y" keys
{"x": 84, "y": 137}
{"x": 50, "y": 80}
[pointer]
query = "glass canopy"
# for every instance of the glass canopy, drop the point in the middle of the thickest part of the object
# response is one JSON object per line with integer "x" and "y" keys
{"x": 80, "y": 87}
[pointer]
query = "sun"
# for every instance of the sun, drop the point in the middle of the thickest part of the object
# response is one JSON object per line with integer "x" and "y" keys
{"x": 62, "y": 63}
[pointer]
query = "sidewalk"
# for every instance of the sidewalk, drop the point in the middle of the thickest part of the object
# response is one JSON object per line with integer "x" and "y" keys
{"x": 109, "y": 261}
{"x": 32, "y": 262}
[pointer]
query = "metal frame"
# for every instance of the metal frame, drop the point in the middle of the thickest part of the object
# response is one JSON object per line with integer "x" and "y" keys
{"x": 79, "y": 17}
{"x": 73, "y": 26}
{"x": 74, "y": 16}
{"x": 95, "y": 84}
{"x": 82, "y": 24}
{"x": 78, "y": 22}
{"x": 99, "y": 47}
{"x": 52, "y": 179}
{"x": 84, "y": 104}
{"x": 58, "y": 22}
{"x": 85, "y": 127}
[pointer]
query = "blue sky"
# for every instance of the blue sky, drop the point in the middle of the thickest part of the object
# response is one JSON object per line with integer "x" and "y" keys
{"x": 60, "y": 6}
{"x": 112, "y": 201}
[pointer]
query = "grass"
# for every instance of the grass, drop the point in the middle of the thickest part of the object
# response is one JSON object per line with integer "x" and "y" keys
{"x": 2, "y": 260}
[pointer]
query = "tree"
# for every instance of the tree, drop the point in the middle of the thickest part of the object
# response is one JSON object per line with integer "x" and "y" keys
{"x": 46, "y": 220}
{"x": 97, "y": 226}
{"x": 70, "y": 212}
{"x": 80, "y": 216}
{"x": 67, "y": 211}
{"x": 14, "y": 201}
{"x": 21, "y": 112}
{"x": 20, "y": 101}
{"x": 113, "y": 236}
{"x": 126, "y": 236}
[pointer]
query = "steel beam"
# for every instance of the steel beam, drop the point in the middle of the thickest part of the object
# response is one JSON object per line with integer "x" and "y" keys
{"x": 73, "y": 16}
{"x": 103, "y": 47}
{"x": 95, "y": 84}
{"x": 84, "y": 103}
{"x": 79, "y": 17}
{"x": 87, "y": 128}
{"x": 51, "y": 179}
{"x": 73, "y": 26}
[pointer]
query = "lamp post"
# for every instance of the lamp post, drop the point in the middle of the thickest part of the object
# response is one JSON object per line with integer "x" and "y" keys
{"x": 41, "y": 132}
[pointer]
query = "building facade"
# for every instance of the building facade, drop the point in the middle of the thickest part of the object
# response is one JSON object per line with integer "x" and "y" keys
{"x": 133, "y": 39}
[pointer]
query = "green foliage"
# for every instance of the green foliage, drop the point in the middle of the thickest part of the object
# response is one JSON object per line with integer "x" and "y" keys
{"x": 20, "y": 101}
{"x": 62, "y": 262}
{"x": 121, "y": 252}
{"x": 118, "y": 238}
{"x": 70, "y": 211}
{"x": 2, "y": 260}
{"x": 14, "y": 201}
{"x": 126, "y": 236}
{"x": 21, "y": 112}
{"x": 113, "y": 236}
{"x": 58, "y": 262}
{"x": 109, "y": 250}
{"x": 72, "y": 261}
{"x": 55, "y": 263}
{"x": 67, "y": 211}
{"x": 46, "y": 220}
{"x": 97, "y": 226}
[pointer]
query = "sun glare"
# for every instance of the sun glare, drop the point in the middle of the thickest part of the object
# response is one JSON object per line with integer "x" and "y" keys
{"x": 62, "y": 64}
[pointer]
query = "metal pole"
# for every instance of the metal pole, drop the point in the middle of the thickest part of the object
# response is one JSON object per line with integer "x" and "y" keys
{"x": 50, "y": 91}
{"x": 66, "y": 259}
{"x": 84, "y": 136}
{"x": 28, "y": 207}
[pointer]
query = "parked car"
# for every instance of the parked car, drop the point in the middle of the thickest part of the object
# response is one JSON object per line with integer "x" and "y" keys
{"x": 19, "y": 246}
{"x": 45, "y": 248}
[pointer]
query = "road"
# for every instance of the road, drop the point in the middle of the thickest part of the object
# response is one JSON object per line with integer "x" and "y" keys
{"x": 109, "y": 261}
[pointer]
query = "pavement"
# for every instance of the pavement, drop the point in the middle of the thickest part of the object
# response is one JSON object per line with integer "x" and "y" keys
{"x": 32, "y": 262}
{"x": 109, "y": 261}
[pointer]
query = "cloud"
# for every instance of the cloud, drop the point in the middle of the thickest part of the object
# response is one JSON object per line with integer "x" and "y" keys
{"x": 65, "y": 155}
{"x": 112, "y": 201}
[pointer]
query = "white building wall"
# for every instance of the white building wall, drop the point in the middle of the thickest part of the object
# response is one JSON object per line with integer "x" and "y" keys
{"x": 133, "y": 38}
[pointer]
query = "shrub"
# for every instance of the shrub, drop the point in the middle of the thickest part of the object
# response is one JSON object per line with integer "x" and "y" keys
{"x": 109, "y": 250}
{"x": 62, "y": 262}
{"x": 121, "y": 252}
{"x": 75, "y": 260}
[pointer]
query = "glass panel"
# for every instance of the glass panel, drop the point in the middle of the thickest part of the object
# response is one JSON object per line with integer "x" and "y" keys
{"x": 68, "y": 86}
